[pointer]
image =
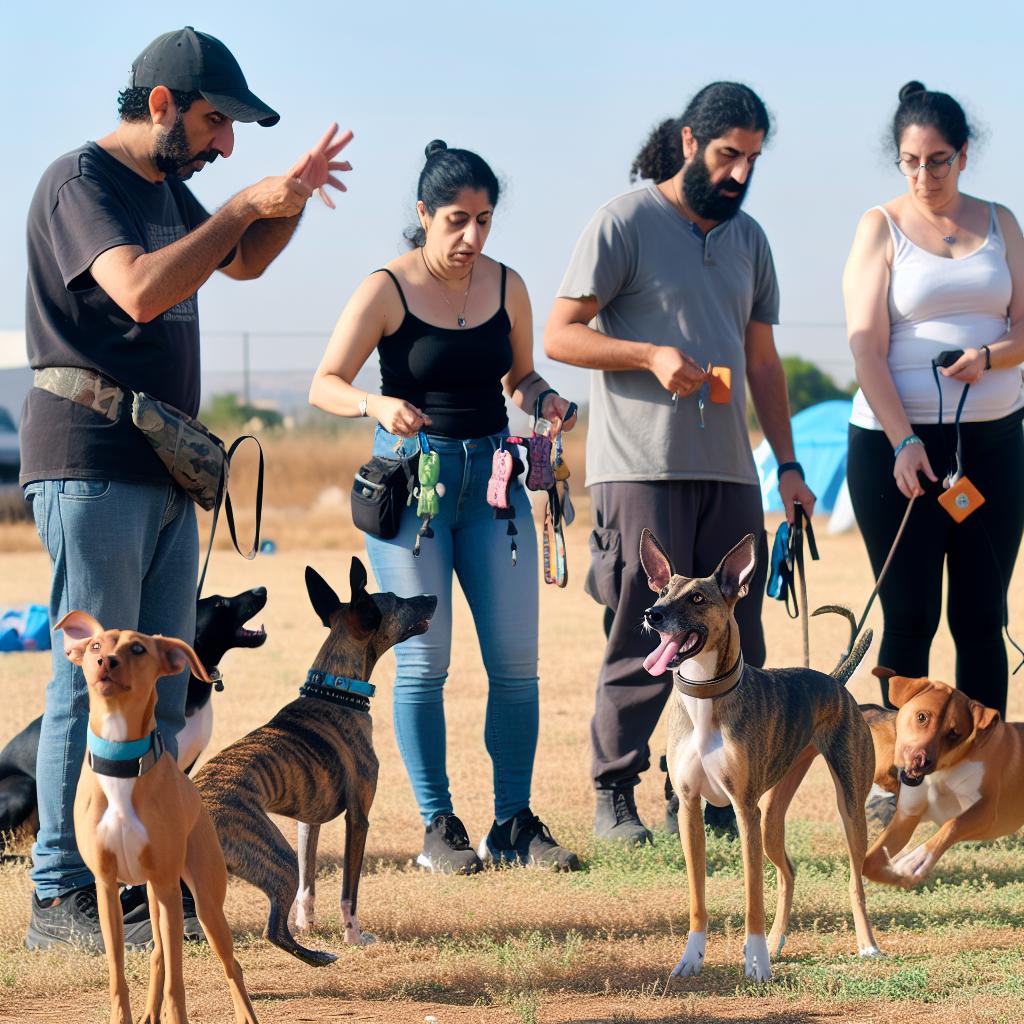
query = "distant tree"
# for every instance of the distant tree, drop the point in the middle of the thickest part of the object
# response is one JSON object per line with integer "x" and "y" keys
{"x": 225, "y": 410}
{"x": 806, "y": 385}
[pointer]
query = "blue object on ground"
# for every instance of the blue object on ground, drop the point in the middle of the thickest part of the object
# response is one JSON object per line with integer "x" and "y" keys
{"x": 268, "y": 547}
{"x": 25, "y": 629}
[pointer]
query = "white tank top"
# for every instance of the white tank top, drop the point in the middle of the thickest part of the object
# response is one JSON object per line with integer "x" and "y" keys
{"x": 936, "y": 304}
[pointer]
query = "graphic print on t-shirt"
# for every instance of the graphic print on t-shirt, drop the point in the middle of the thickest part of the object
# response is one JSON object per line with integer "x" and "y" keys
{"x": 160, "y": 235}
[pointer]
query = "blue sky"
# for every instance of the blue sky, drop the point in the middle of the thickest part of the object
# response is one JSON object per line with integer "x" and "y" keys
{"x": 557, "y": 96}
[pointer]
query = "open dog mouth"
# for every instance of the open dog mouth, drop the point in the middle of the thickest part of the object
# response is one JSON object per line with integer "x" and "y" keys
{"x": 674, "y": 649}
{"x": 250, "y": 637}
{"x": 911, "y": 778}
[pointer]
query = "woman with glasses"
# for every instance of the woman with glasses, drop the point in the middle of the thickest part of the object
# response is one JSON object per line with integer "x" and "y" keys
{"x": 934, "y": 291}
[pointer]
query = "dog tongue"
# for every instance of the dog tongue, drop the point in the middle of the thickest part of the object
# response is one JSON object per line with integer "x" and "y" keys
{"x": 657, "y": 661}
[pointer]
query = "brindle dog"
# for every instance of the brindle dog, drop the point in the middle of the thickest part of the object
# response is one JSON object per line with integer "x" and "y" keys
{"x": 313, "y": 759}
{"x": 746, "y": 736}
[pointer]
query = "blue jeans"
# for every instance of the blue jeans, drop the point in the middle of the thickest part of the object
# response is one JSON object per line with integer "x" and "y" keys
{"x": 503, "y": 598}
{"x": 128, "y": 555}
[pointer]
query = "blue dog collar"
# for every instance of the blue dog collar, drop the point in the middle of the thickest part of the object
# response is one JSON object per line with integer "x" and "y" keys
{"x": 124, "y": 760}
{"x": 343, "y": 684}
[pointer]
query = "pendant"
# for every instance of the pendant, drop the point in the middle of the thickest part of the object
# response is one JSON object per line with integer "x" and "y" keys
{"x": 461, "y": 321}
{"x": 949, "y": 239}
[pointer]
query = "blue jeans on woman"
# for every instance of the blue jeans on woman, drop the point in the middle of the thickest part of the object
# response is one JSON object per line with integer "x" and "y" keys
{"x": 128, "y": 554}
{"x": 469, "y": 542}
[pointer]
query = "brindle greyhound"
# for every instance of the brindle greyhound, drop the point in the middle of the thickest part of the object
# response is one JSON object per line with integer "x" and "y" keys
{"x": 746, "y": 736}
{"x": 313, "y": 759}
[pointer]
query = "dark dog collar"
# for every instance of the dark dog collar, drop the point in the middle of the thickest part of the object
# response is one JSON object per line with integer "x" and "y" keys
{"x": 216, "y": 678}
{"x": 716, "y": 687}
{"x": 343, "y": 684}
{"x": 332, "y": 696}
{"x": 124, "y": 760}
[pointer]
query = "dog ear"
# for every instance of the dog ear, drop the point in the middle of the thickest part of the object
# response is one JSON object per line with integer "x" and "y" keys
{"x": 984, "y": 717}
{"x": 736, "y": 570}
{"x": 881, "y": 672}
{"x": 324, "y": 600}
{"x": 79, "y": 628}
{"x": 655, "y": 561}
{"x": 357, "y": 578}
{"x": 176, "y": 655}
{"x": 902, "y": 689}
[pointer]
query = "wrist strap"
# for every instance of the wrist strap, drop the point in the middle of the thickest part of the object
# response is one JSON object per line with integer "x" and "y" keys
{"x": 988, "y": 356}
{"x": 786, "y": 467}
{"x": 908, "y": 440}
{"x": 539, "y": 401}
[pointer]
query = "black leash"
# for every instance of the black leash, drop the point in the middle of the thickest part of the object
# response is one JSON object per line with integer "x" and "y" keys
{"x": 223, "y": 497}
{"x": 802, "y": 526}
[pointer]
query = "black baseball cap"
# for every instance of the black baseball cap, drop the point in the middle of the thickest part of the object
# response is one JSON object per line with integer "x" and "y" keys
{"x": 191, "y": 61}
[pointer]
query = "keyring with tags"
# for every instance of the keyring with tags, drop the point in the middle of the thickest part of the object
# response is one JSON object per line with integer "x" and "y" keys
{"x": 429, "y": 491}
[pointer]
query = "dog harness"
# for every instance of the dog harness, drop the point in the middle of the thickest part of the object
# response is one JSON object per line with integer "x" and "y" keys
{"x": 716, "y": 687}
{"x": 124, "y": 760}
{"x": 344, "y": 690}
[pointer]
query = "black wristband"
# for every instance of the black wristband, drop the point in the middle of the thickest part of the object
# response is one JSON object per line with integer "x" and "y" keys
{"x": 988, "y": 356}
{"x": 787, "y": 466}
{"x": 540, "y": 401}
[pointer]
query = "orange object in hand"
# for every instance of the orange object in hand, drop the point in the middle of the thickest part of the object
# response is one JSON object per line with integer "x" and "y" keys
{"x": 721, "y": 384}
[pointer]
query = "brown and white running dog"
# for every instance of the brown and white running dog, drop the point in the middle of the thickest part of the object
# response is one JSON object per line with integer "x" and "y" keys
{"x": 139, "y": 819}
{"x": 960, "y": 765}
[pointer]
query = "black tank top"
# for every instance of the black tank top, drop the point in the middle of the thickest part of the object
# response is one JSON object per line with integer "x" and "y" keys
{"x": 452, "y": 373}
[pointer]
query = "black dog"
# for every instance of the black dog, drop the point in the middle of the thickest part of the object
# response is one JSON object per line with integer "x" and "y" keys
{"x": 220, "y": 626}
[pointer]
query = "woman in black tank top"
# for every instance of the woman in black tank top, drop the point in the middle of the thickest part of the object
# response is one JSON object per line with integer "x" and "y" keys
{"x": 454, "y": 334}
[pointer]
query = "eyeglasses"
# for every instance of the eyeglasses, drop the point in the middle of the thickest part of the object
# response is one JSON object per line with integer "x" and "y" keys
{"x": 937, "y": 169}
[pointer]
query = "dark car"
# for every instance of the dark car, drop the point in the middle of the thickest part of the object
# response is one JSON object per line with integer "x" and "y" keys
{"x": 9, "y": 457}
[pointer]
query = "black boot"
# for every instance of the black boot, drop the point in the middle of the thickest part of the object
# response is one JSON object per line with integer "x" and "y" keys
{"x": 616, "y": 817}
{"x": 721, "y": 821}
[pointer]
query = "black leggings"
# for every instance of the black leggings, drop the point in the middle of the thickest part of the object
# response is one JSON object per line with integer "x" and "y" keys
{"x": 979, "y": 552}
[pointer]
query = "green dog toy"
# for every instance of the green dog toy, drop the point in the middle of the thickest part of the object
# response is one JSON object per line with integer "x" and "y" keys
{"x": 428, "y": 494}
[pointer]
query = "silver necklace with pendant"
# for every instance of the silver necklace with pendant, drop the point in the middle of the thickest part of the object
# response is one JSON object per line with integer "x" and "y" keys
{"x": 460, "y": 317}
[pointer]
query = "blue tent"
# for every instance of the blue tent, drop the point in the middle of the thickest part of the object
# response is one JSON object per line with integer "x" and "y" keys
{"x": 819, "y": 436}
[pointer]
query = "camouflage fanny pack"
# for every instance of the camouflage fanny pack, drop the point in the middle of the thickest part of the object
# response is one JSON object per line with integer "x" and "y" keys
{"x": 196, "y": 459}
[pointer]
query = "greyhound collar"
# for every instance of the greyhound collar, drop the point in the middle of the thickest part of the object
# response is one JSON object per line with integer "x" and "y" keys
{"x": 716, "y": 687}
{"x": 216, "y": 678}
{"x": 341, "y": 684}
{"x": 124, "y": 760}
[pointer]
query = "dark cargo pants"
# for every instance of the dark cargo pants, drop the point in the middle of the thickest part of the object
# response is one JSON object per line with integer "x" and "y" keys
{"x": 697, "y": 522}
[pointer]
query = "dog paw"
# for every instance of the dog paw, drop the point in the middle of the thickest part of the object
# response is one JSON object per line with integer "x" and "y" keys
{"x": 775, "y": 944}
{"x": 870, "y": 951}
{"x": 693, "y": 956}
{"x": 756, "y": 962}
{"x": 913, "y": 867}
{"x": 354, "y": 937}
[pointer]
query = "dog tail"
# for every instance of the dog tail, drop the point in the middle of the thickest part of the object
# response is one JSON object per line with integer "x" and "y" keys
{"x": 856, "y": 649}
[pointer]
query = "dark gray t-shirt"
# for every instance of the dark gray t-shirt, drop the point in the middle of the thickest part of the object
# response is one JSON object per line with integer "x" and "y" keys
{"x": 85, "y": 203}
{"x": 656, "y": 279}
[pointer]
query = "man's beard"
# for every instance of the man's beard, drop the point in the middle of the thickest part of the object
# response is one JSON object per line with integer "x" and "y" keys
{"x": 171, "y": 154}
{"x": 706, "y": 199}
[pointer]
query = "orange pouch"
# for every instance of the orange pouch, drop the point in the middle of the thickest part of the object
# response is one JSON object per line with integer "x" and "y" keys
{"x": 961, "y": 499}
{"x": 721, "y": 384}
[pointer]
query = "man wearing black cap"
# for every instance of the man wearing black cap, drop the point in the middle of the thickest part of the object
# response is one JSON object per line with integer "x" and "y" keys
{"x": 117, "y": 248}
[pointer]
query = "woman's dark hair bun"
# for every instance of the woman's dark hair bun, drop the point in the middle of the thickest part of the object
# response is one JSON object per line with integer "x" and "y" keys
{"x": 908, "y": 90}
{"x": 437, "y": 146}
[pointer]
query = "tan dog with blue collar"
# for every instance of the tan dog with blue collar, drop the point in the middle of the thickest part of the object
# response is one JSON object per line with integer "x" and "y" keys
{"x": 139, "y": 819}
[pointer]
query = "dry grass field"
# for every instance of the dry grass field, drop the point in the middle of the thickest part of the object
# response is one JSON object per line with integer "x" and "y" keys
{"x": 527, "y": 946}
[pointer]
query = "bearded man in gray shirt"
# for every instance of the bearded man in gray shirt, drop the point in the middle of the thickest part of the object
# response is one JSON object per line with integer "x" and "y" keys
{"x": 666, "y": 281}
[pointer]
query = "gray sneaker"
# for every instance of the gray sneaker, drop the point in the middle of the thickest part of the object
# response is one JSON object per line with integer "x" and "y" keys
{"x": 446, "y": 848}
{"x": 879, "y": 809}
{"x": 73, "y": 920}
{"x": 616, "y": 817}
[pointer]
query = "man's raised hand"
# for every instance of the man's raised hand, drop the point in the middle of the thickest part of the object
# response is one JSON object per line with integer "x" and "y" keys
{"x": 316, "y": 168}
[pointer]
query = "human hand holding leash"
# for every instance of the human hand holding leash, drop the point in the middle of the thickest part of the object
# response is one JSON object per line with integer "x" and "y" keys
{"x": 968, "y": 368}
{"x": 315, "y": 169}
{"x": 793, "y": 490}
{"x": 913, "y": 459}
{"x": 559, "y": 411}
{"x": 399, "y": 417}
